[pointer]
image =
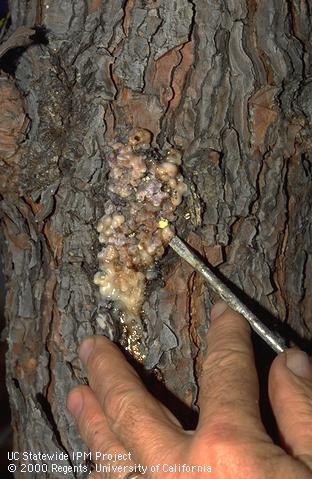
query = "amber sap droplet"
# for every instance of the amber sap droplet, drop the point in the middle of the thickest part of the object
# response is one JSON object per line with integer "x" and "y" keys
{"x": 162, "y": 223}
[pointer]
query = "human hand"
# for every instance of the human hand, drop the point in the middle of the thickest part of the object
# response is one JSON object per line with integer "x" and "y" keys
{"x": 116, "y": 414}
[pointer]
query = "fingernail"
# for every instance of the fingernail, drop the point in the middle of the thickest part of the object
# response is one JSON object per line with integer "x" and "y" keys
{"x": 298, "y": 362}
{"x": 75, "y": 402}
{"x": 85, "y": 349}
{"x": 218, "y": 309}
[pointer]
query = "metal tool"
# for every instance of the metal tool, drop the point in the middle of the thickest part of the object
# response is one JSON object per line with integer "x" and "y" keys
{"x": 226, "y": 294}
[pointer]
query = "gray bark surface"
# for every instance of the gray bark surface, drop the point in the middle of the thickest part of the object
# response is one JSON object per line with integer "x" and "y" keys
{"x": 230, "y": 84}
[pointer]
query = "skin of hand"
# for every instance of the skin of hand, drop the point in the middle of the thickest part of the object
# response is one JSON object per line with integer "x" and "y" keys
{"x": 116, "y": 414}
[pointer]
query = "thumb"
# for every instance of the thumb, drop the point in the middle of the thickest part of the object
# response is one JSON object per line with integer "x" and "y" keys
{"x": 290, "y": 391}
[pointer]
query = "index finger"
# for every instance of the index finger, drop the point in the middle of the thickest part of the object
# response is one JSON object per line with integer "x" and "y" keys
{"x": 229, "y": 391}
{"x": 141, "y": 423}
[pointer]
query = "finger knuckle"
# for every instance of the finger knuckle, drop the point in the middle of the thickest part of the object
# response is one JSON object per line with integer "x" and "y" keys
{"x": 222, "y": 432}
{"x": 94, "y": 430}
{"x": 120, "y": 405}
{"x": 220, "y": 441}
{"x": 227, "y": 355}
{"x": 225, "y": 444}
{"x": 223, "y": 360}
{"x": 97, "y": 360}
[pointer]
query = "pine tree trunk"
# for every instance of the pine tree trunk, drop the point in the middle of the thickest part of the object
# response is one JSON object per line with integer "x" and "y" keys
{"x": 228, "y": 83}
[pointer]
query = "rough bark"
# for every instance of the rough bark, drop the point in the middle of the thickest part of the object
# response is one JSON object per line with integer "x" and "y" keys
{"x": 227, "y": 82}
